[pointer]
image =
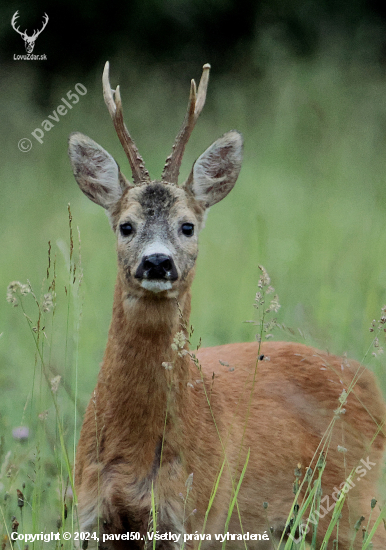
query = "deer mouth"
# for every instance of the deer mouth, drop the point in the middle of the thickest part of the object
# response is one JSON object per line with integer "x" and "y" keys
{"x": 156, "y": 285}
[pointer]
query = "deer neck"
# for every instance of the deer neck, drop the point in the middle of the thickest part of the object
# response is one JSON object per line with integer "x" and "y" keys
{"x": 139, "y": 322}
{"x": 144, "y": 381}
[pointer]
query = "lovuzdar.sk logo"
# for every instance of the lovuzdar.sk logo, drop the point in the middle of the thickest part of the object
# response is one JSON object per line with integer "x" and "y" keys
{"x": 29, "y": 40}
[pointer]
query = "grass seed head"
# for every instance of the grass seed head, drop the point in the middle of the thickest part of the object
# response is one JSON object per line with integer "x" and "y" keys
{"x": 264, "y": 280}
{"x": 343, "y": 397}
{"x": 13, "y": 288}
{"x": 20, "y": 498}
{"x": 189, "y": 483}
{"x": 48, "y": 301}
{"x": 359, "y": 523}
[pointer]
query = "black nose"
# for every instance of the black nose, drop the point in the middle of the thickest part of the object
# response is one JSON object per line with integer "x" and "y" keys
{"x": 157, "y": 266}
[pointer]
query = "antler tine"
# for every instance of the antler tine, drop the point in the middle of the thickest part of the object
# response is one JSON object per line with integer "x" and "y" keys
{"x": 202, "y": 88}
{"x": 196, "y": 103}
{"x": 13, "y": 23}
{"x": 114, "y": 106}
{"x": 45, "y": 21}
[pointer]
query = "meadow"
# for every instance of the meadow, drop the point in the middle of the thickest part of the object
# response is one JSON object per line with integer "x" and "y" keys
{"x": 309, "y": 205}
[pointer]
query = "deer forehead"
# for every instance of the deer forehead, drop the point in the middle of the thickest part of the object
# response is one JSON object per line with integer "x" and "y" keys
{"x": 159, "y": 202}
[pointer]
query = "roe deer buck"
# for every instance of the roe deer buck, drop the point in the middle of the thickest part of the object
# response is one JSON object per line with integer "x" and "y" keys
{"x": 149, "y": 424}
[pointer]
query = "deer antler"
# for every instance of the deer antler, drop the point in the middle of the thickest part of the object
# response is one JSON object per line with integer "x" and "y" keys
{"x": 45, "y": 21}
{"x": 13, "y": 23}
{"x": 114, "y": 105}
{"x": 196, "y": 103}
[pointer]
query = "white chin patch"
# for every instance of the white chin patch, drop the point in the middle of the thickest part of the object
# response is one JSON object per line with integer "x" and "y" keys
{"x": 156, "y": 286}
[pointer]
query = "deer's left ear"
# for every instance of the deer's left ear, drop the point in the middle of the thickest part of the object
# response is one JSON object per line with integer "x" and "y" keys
{"x": 215, "y": 172}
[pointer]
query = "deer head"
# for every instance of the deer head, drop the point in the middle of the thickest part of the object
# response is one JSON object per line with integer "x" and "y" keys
{"x": 156, "y": 222}
{"x": 29, "y": 41}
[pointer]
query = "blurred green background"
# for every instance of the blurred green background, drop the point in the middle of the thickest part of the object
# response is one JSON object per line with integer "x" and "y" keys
{"x": 304, "y": 81}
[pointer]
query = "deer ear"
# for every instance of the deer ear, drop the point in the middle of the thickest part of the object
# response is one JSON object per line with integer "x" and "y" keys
{"x": 215, "y": 172}
{"x": 96, "y": 171}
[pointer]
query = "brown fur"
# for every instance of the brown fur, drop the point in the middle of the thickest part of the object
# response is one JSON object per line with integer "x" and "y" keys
{"x": 294, "y": 398}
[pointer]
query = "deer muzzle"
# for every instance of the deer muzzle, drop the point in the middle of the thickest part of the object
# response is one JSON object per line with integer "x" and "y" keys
{"x": 157, "y": 267}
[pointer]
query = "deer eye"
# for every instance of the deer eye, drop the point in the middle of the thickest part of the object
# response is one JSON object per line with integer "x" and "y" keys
{"x": 187, "y": 229}
{"x": 126, "y": 229}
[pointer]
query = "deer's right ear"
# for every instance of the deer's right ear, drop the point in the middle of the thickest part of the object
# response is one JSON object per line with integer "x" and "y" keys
{"x": 96, "y": 171}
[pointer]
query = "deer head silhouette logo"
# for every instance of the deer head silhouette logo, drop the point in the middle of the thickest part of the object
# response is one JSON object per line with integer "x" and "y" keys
{"x": 29, "y": 41}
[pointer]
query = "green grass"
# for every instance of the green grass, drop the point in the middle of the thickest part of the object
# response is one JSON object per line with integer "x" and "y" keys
{"x": 310, "y": 205}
